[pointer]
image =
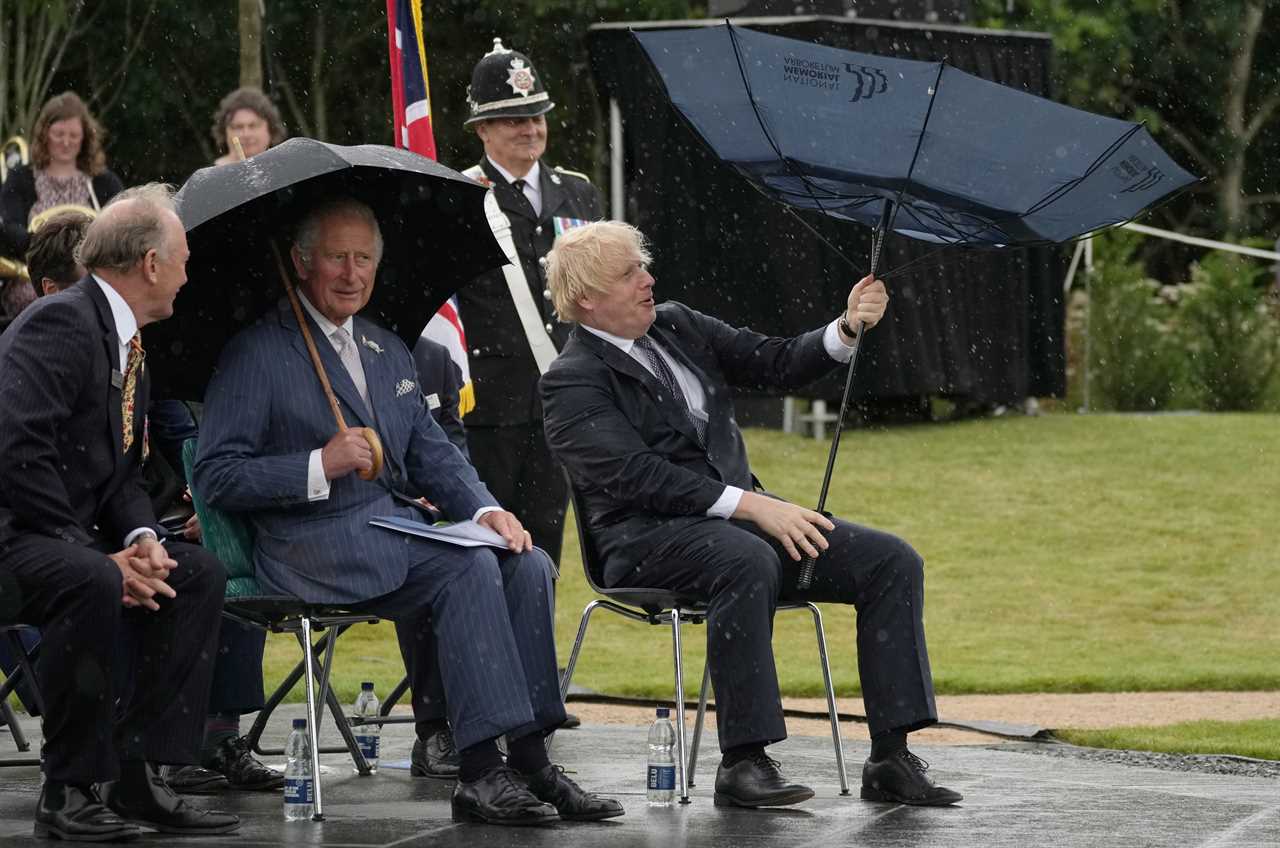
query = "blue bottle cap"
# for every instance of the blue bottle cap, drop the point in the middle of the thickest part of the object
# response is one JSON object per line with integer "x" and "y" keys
{"x": 299, "y": 724}
{"x": 664, "y": 712}
{"x": 367, "y": 686}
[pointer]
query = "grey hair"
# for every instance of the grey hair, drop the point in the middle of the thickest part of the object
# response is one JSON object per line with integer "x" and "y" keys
{"x": 309, "y": 227}
{"x": 117, "y": 240}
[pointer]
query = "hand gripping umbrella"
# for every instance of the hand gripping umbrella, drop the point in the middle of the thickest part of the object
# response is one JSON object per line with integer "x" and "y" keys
{"x": 435, "y": 231}
{"x": 921, "y": 149}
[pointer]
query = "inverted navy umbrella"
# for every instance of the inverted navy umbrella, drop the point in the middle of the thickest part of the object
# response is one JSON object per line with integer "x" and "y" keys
{"x": 921, "y": 149}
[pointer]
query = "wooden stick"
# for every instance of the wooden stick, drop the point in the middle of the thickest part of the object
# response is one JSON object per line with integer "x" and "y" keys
{"x": 306, "y": 336}
{"x": 238, "y": 148}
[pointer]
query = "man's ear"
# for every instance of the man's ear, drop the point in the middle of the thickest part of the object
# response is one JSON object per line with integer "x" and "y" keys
{"x": 299, "y": 267}
{"x": 586, "y": 304}
{"x": 48, "y": 286}
{"x": 149, "y": 261}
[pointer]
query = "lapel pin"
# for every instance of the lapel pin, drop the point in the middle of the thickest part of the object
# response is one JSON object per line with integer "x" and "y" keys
{"x": 372, "y": 345}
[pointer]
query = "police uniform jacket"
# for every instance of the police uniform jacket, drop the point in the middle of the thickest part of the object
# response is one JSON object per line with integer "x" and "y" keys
{"x": 503, "y": 369}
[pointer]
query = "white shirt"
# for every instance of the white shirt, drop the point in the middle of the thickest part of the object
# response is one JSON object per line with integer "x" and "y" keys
{"x": 695, "y": 395}
{"x": 532, "y": 183}
{"x": 317, "y": 484}
{"x": 126, "y": 326}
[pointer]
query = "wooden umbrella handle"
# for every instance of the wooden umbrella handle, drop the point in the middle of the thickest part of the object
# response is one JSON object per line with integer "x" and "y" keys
{"x": 375, "y": 444}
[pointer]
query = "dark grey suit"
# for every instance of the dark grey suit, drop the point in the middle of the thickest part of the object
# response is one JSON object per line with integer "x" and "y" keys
{"x": 647, "y": 484}
{"x": 69, "y": 494}
{"x": 490, "y": 611}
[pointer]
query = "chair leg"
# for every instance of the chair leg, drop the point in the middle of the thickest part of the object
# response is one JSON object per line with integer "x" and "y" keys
{"x": 831, "y": 698}
{"x": 25, "y": 663}
{"x": 254, "y": 736}
{"x": 327, "y": 696}
{"x": 313, "y": 717}
{"x": 573, "y": 662}
{"x": 11, "y": 721}
{"x": 680, "y": 747}
{"x": 394, "y": 697}
{"x": 697, "y": 725}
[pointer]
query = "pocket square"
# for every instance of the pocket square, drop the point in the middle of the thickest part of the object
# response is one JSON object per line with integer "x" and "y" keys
{"x": 404, "y": 387}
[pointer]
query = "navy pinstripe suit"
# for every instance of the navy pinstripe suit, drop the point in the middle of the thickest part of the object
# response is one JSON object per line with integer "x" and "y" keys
{"x": 490, "y": 610}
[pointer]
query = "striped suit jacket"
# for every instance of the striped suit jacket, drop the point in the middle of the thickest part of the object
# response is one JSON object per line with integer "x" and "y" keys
{"x": 265, "y": 412}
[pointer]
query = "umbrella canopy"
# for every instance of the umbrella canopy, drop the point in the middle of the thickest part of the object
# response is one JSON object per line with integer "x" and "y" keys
{"x": 966, "y": 161}
{"x": 436, "y": 235}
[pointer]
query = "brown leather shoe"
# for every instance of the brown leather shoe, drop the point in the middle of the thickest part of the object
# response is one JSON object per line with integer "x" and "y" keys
{"x": 900, "y": 778}
{"x": 77, "y": 814}
{"x": 141, "y": 796}
{"x": 756, "y": 781}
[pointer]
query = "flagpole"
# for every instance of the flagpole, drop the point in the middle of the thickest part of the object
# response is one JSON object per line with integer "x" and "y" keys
{"x": 877, "y": 243}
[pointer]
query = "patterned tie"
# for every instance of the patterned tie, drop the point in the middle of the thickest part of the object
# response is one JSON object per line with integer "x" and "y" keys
{"x": 132, "y": 368}
{"x": 667, "y": 378}
{"x": 350, "y": 355}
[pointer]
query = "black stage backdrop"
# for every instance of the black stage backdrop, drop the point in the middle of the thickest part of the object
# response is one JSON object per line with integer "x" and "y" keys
{"x": 981, "y": 327}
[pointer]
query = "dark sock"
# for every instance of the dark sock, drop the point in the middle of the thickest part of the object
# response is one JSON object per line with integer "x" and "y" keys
{"x": 430, "y": 727}
{"x": 738, "y": 753}
{"x": 885, "y": 745}
{"x": 478, "y": 759}
{"x": 528, "y": 754}
{"x": 218, "y": 727}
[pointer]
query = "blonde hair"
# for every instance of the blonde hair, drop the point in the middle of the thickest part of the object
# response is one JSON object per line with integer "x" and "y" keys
{"x": 585, "y": 259}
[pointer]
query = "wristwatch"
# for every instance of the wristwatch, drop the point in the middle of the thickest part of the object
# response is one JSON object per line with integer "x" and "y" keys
{"x": 845, "y": 328}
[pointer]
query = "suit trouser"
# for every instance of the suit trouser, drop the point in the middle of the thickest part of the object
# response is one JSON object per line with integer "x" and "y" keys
{"x": 743, "y": 573}
{"x": 491, "y": 614}
{"x": 237, "y": 673}
{"x": 72, "y": 593}
{"x": 516, "y": 465}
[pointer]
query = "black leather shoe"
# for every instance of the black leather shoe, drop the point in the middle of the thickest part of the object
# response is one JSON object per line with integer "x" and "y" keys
{"x": 901, "y": 779}
{"x": 571, "y": 801}
{"x": 756, "y": 781}
{"x": 234, "y": 759}
{"x": 77, "y": 814}
{"x": 142, "y": 797}
{"x": 571, "y": 722}
{"x": 499, "y": 797}
{"x": 194, "y": 780}
{"x": 436, "y": 756}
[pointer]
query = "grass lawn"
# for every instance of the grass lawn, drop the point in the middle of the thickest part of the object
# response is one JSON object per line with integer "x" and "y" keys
{"x": 1064, "y": 553}
{"x": 1260, "y": 738}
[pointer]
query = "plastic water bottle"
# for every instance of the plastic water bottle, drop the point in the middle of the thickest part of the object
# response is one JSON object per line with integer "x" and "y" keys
{"x": 662, "y": 763}
{"x": 299, "y": 782}
{"x": 368, "y": 736}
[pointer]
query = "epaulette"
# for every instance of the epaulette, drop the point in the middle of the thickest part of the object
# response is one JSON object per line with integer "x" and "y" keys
{"x": 577, "y": 174}
{"x": 475, "y": 172}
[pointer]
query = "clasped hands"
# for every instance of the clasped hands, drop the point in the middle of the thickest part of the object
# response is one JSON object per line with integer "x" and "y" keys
{"x": 144, "y": 567}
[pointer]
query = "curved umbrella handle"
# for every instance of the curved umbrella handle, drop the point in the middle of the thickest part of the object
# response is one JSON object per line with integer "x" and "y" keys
{"x": 375, "y": 444}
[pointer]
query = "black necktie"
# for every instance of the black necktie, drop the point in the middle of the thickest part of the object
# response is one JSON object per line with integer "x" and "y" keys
{"x": 667, "y": 378}
{"x": 519, "y": 185}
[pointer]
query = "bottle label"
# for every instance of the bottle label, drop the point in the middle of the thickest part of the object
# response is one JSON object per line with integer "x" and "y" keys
{"x": 299, "y": 790}
{"x": 662, "y": 778}
{"x": 369, "y": 746}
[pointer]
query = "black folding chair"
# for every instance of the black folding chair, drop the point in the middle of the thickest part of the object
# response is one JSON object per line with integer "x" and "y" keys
{"x": 663, "y": 607}
{"x": 24, "y": 672}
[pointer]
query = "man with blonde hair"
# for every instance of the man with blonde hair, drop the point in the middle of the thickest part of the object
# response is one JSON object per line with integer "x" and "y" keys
{"x": 639, "y": 410}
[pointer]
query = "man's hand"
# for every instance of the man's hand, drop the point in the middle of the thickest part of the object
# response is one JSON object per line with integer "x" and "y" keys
{"x": 192, "y": 531}
{"x": 794, "y": 526}
{"x": 509, "y": 528}
{"x": 867, "y": 302}
{"x": 139, "y": 590}
{"x": 347, "y": 451}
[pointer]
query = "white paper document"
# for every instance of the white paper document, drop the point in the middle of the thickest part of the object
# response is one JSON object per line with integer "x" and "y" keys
{"x": 467, "y": 534}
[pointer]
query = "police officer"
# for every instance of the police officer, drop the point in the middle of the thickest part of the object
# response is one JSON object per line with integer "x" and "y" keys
{"x": 509, "y": 103}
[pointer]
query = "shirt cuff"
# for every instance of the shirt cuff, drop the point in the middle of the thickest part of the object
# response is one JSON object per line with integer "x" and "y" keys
{"x": 135, "y": 533}
{"x": 317, "y": 485}
{"x": 836, "y": 348}
{"x": 484, "y": 510}
{"x": 727, "y": 503}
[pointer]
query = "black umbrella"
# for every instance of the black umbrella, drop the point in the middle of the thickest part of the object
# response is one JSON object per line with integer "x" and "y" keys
{"x": 436, "y": 234}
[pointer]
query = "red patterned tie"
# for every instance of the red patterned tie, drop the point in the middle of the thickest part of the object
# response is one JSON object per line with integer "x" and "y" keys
{"x": 132, "y": 368}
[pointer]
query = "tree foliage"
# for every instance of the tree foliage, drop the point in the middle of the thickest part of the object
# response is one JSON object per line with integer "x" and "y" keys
{"x": 1204, "y": 76}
